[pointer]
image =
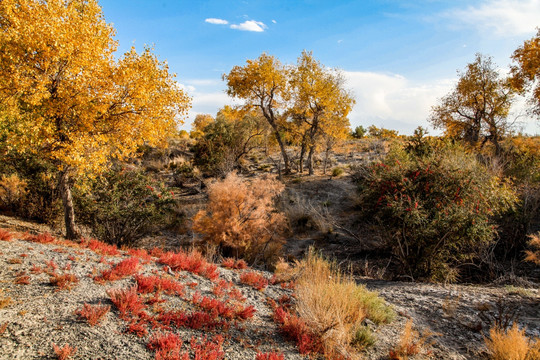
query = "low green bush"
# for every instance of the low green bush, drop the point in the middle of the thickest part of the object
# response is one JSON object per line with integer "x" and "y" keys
{"x": 122, "y": 206}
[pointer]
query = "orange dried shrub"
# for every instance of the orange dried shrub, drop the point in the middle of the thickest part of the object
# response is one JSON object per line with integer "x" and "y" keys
{"x": 93, "y": 313}
{"x": 241, "y": 218}
{"x": 65, "y": 352}
{"x": 512, "y": 344}
{"x": 5, "y": 235}
{"x": 63, "y": 281}
{"x": 534, "y": 255}
{"x": 410, "y": 343}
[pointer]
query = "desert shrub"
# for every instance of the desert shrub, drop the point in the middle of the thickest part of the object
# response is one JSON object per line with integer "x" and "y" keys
{"x": 122, "y": 206}
{"x": 241, "y": 219}
{"x": 410, "y": 343}
{"x": 333, "y": 305}
{"x": 520, "y": 161}
{"x": 511, "y": 344}
{"x": 337, "y": 171}
{"x": 437, "y": 211}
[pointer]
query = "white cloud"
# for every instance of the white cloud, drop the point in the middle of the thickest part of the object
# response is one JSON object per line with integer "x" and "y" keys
{"x": 216, "y": 21}
{"x": 250, "y": 25}
{"x": 274, "y": 21}
{"x": 392, "y": 101}
{"x": 503, "y": 17}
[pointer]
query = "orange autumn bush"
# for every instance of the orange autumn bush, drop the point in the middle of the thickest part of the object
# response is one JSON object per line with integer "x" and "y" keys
{"x": 241, "y": 218}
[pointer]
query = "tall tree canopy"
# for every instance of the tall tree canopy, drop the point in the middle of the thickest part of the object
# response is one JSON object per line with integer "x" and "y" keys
{"x": 262, "y": 83}
{"x": 67, "y": 98}
{"x": 320, "y": 104}
{"x": 477, "y": 109}
{"x": 526, "y": 74}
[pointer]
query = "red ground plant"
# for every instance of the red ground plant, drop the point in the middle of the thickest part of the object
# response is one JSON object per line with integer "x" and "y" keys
{"x": 65, "y": 352}
{"x": 149, "y": 284}
{"x": 93, "y": 314}
{"x": 101, "y": 247}
{"x": 5, "y": 235}
{"x": 232, "y": 263}
{"x": 127, "y": 301}
{"x": 270, "y": 356}
{"x": 254, "y": 279}
{"x": 63, "y": 281}
{"x": 193, "y": 262}
{"x": 124, "y": 268}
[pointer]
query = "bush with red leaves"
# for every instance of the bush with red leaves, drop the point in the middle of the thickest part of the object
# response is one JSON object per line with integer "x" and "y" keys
{"x": 93, "y": 313}
{"x": 193, "y": 262}
{"x": 63, "y": 281}
{"x": 167, "y": 347}
{"x": 197, "y": 320}
{"x": 205, "y": 349}
{"x": 102, "y": 248}
{"x": 127, "y": 301}
{"x": 124, "y": 268}
{"x": 44, "y": 238}
{"x": 65, "y": 352}
{"x": 254, "y": 279}
{"x": 269, "y": 356}
{"x": 234, "y": 264}
{"x": 5, "y": 235}
{"x": 295, "y": 329}
{"x": 149, "y": 284}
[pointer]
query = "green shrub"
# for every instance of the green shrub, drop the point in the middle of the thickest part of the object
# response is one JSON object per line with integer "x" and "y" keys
{"x": 337, "y": 172}
{"x": 437, "y": 210}
{"x": 40, "y": 200}
{"x": 123, "y": 206}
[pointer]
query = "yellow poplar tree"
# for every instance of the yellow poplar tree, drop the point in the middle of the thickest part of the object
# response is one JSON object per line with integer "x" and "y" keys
{"x": 262, "y": 83}
{"x": 67, "y": 98}
{"x": 527, "y": 72}
{"x": 320, "y": 103}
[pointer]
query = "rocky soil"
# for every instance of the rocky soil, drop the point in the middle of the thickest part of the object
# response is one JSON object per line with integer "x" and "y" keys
{"x": 452, "y": 320}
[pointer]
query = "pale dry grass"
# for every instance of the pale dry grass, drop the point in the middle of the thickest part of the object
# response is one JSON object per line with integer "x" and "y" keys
{"x": 511, "y": 344}
{"x": 331, "y": 303}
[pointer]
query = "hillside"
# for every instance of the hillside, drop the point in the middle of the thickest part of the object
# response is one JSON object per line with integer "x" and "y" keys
{"x": 46, "y": 280}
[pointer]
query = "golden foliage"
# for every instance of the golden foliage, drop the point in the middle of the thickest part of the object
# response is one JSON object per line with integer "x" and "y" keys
{"x": 534, "y": 255}
{"x": 410, "y": 343}
{"x": 512, "y": 344}
{"x": 12, "y": 190}
{"x": 527, "y": 71}
{"x": 240, "y": 215}
{"x": 477, "y": 108}
{"x": 67, "y": 96}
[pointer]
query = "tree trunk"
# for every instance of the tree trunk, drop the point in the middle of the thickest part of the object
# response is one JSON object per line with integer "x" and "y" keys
{"x": 287, "y": 169}
{"x": 301, "y": 160}
{"x": 67, "y": 201}
{"x": 326, "y": 159}
{"x": 310, "y": 159}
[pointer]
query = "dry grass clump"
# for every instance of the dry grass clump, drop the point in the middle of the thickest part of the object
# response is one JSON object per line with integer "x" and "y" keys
{"x": 93, "y": 313}
{"x": 65, "y": 352}
{"x": 333, "y": 305}
{"x": 410, "y": 343}
{"x": 512, "y": 344}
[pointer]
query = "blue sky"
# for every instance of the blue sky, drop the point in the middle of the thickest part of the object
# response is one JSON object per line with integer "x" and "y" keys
{"x": 399, "y": 57}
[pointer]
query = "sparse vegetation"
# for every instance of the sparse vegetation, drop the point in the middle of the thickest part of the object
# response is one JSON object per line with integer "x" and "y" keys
{"x": 511, "y": 344}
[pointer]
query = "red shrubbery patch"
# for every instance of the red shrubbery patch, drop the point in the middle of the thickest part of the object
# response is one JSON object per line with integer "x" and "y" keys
{"x": 65, "y": 352}
{"x": 122, "y": 269}
{"x": 294, "y": 328}
{"x": 254, "y": 279}
{"x": 270, "y": 356}
{"x": 102, "y": 248}
{"x": 149, "y": 284}
{"x": 167, "y": 346}
{"x": 127, "y": 301}
{"x": 5, "y": 235}
{"x": 44, "y": 238}
{"x": 193, "y": 262}
{"x": 93, "y": 313}
{"x": 234, "y": 264}
{"x": 63, "y": 281}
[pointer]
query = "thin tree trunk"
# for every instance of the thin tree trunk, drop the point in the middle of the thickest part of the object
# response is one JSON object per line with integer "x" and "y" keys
{"x": 310, "y": 159}
{"x": 67, "y": 201}
{"x": 301, "y": 160}
{"x": 287, "y": 169}
{"x": 326, "y": 160}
